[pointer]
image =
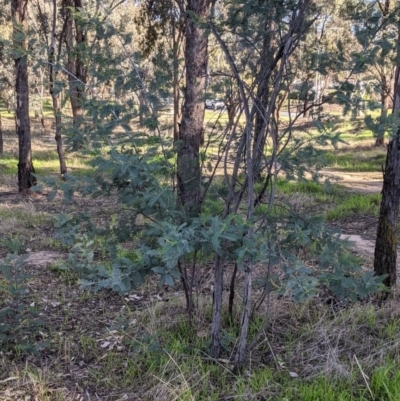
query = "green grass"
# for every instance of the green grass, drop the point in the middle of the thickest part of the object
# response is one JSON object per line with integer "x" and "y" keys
{"x": 356, "y": 203}
{"x": 174, "y": 362}
{"x": 357, "y": 136}
{"x": 355, "y": 160}
{"x": 307, "y": 187}
{"x": 25, "y": 224}
{"x": 157, "y": 354}
{"x": 44, "y": 162}
{"x": 333, "y": 202}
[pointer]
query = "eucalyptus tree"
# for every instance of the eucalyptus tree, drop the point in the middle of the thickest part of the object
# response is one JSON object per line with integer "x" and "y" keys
{"x": 385, "y": 258}
{"x": 230, "y": 218}
{"x": 75, "y": 38}
{"x": 374, "y": 25}
{"x": 384, "y": 50}
{"x": 191, "y": 129}
{"x": 6, "y": 78}
{"x": 268, "y": 33}
{"x": 55, "y": 86}
{"x": 163, "y": 27}
{"x": 19, "y": 13}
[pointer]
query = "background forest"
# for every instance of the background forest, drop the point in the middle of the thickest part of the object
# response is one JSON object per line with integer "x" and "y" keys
{"x": 181, "y": 186}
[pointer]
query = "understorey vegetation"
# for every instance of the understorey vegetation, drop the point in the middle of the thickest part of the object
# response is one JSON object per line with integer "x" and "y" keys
{"x": 163, "y": 250}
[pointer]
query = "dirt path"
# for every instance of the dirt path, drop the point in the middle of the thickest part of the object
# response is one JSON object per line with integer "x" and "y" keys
{"x": 363, "y": 242}
{"x": 367, "y": 182}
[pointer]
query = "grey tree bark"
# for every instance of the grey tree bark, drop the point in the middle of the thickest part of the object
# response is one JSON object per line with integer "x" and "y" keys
{"x": 19, "y": 12}
{"x": 76, "y": 66}
{"x": 55, "y": 95}
{"x": 191, "y": 131}
{"x": 385, "y": 79}
{"x": 385, "y": 257}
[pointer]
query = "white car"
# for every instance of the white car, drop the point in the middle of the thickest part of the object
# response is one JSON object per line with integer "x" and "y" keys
{"x": 209, "y": 104}
{"x": 218, "y": 105}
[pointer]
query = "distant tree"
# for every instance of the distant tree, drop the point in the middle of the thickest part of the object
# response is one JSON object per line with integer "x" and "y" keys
{"x": 19, "y": 12}
{"x": 384, "y": 66}
{"x": 53, "y": 58}
{"x": 163, "y": 27}
{"x": 75, "y": 41}
{"x": 374, "y": 25}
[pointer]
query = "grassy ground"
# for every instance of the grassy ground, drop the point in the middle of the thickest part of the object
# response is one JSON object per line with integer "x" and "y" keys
{"x": 358, "y": 158}
{"x": 333, "y": 203}
{"x": 103, "y": 346}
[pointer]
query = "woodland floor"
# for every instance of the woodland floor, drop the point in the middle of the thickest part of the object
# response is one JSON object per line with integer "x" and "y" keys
{"x": 94, "y": 341}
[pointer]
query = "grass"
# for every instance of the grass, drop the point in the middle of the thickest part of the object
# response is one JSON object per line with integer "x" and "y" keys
{"x": 103, "y": 346}
{"x": 357, "y": 159}
{"x": 44, "y": 161}
{"x": 363, "y": 204}
{"x": 333, "y": 202}
{"x": 157, "y": 354}
{"x": 24, "y": 223}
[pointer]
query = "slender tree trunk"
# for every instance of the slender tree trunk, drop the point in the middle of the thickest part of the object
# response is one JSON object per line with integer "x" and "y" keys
{"x": 241, "y": 352}
{"x": 77, "y": 78}
{"x": 385, "y": 97}
{"x": 177, "y": 37}
{"x": 386, "y": 240}
{"x": 55, "y": 95}
{"x": 188, "y": 164}
{"x": 385, "y": 82}
{"x": 217, "y": 308}
{"x": 19, "y": 10}
{"x": 263, "y": 95}
{"x": 1, "y": 137}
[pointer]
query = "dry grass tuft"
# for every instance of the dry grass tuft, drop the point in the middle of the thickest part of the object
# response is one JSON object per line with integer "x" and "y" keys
{"x": 320, "y": 340}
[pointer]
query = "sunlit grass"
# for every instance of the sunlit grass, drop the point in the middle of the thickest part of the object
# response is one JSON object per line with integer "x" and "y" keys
{"x": 364, "y": 204}
{"x": 44, "y": 162}
{"x": 353, "y": 159}
{"x": 335, "y": 202}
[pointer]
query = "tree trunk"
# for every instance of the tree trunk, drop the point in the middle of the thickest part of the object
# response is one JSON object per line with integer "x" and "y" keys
{"x": 1, "y": 138}
{"x": 217, "y": 308}
{"x": 384, "y": 81}
{"x": 263, "y": 95}
{"x": 55, "y": 95}
{"x": 241, "y": 352}
{"x": 78, "y": 75}
{"x": 176, "y": 53}
{"x": 191, "y": 131}
{"x": 386, "y": 238}
{"x": 385, "y": 97}
{"x": 19, "y": 10}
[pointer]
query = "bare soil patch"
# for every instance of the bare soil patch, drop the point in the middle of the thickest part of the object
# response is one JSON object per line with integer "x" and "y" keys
{"x": 366, "y": 182}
